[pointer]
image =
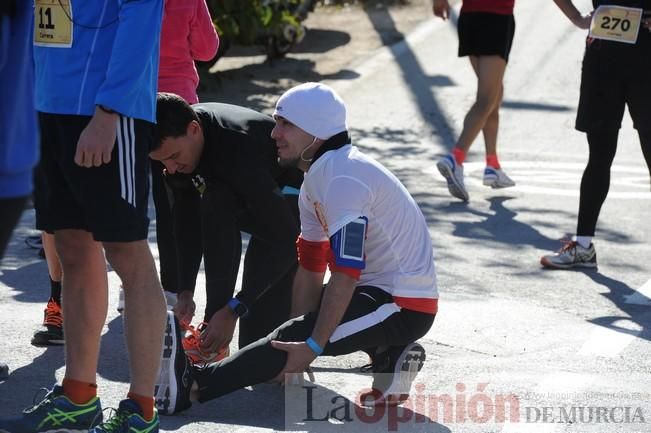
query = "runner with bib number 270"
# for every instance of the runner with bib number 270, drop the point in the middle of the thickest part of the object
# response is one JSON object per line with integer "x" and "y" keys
{"x": 616, "y": 71}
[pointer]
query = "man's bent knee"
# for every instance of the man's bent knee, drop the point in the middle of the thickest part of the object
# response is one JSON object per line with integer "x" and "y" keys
{"x": 75, "y": 247}
{"x": 128, "y": 258}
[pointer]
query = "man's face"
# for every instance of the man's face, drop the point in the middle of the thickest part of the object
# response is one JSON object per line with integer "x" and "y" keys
{"x": 181, "y": 154}
{"x": 291, "y": 141}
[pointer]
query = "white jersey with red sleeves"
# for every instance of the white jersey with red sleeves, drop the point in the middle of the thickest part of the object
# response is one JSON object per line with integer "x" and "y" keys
{"x": 343, "y": 185}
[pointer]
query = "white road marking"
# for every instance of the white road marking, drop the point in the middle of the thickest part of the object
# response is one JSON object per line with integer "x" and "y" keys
{"x": 641, "y": 297}
{"x": 629, "y": 182}
{"x": 608, "y": 342}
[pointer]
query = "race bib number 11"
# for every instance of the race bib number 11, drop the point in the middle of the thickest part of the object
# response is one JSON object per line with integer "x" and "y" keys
{"x": 53, "y": 23}
{"x": 616, "y": 23}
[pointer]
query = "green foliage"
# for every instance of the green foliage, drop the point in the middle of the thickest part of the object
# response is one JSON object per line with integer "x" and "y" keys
{"x": 242, "y": 21}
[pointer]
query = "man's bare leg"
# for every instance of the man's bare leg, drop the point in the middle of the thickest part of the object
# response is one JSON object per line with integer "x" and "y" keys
{"x": 85, "y": 288}
{"x": 144, "y": 311}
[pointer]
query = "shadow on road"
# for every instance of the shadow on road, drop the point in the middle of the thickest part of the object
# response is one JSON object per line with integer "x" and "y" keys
{"x": 19, "y": 390}
{"x": 415, "y": 78}
{"x": 500, "y": 225}
{"x": 621, "y": 294}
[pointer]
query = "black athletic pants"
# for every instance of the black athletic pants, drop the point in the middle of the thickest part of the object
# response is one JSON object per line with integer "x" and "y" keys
{"x": 596, "y": 177}
{"x": 371, "y": 320}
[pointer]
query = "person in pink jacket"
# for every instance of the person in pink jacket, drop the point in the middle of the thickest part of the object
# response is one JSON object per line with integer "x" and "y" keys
{"x": 188, "y": 34}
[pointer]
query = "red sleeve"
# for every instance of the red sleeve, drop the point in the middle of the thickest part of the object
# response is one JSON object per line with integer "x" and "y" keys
{"x": 203, "y": 37}
{"x": 351, "y": 272}
{"x": 313, "y": 256}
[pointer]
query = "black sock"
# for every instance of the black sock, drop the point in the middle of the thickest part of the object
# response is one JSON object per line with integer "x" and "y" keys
{"x": 55, "y": 290}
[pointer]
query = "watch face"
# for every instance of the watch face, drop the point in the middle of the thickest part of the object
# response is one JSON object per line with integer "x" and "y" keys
{"x": 241, "y": 310}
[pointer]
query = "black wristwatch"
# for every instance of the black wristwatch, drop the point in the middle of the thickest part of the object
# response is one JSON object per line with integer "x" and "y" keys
{"x": 238, "y": 307}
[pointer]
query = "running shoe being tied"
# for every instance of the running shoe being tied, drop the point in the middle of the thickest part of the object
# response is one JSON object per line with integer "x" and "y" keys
{"x": 453, "y": 174}
{"x": 54, "y": 413}
{"x": 174, "y": 382}
{"x": 191, "y": 345}
{"x": 394, "y": 371}
{"x": 496, "y": 178}
{"x": 52, "y": 332}
{"x": 572, "y": 255}
{"x": 128, "y": 419}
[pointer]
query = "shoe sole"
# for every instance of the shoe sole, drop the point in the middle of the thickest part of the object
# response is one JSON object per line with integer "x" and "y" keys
{"x": 44, "y": 343}
{"x": 494, "y": 183}
{"x": 408, "y": 366}
{"x": 165, "y": 391}
{"x": 453, "y": 186}
{"x": 551, "y": 265}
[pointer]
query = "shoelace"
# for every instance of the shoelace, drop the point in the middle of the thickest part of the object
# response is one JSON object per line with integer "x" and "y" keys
{"x": 53, "y": 314}
{"x": 44, "y": 395}
{"x": 191, "y": 344}
{"x": 567, "y": 245}
{"x": 117, "y": 418}
{"x": 193, "y": 339}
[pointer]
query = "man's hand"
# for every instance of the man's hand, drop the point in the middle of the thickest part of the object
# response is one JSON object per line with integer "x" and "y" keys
{"x": 97, "y": 140}
{"x": 441, "y": 9}
{"x": 299, "y": 358}
{"x": 219, "y": 331}
{"x": 185, "y": 306}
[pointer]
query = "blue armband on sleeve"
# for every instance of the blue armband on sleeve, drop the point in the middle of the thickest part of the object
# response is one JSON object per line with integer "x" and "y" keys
{"x": 348, "y": 244}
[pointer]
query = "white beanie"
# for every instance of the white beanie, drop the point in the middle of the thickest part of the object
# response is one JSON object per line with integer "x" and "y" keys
{"x": 315, "y": 108}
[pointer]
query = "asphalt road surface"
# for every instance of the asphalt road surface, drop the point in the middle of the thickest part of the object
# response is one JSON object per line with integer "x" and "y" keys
{"x": 514, "y": 348}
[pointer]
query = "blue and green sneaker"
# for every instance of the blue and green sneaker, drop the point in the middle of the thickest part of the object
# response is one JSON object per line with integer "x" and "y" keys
{"x": 55, "y": 412}
{"x": 128, "y": 419}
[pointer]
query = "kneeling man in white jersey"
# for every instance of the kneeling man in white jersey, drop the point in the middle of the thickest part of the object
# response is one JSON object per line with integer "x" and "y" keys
{"x": 359, "y": 221}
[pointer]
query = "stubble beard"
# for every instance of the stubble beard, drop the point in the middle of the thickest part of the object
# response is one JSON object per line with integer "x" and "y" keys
{"x": 288, "y": 162}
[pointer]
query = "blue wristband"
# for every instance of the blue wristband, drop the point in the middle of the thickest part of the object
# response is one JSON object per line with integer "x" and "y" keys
{"x": 318, "y": 350}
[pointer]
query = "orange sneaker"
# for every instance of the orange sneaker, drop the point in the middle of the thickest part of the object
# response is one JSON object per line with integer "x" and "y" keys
{"x": 51, "y": 333}
{"x": 191, "y": 345}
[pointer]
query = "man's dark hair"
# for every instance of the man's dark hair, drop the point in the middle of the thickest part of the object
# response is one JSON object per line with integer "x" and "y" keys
{"x": 173, "y": 115}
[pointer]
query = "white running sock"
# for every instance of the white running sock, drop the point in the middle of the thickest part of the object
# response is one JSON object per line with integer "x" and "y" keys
{"x": 584, "y": 241}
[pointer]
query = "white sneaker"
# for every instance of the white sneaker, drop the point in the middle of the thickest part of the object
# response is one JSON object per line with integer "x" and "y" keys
{"x": 496, "y": 178}
{"x": 572, "y": 255}
{"x": 453, "y": 174}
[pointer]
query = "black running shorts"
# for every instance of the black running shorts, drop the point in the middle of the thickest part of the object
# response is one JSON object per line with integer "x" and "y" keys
{"x": 615, "y": 74}
{"x": 110, "y": 201}
{"x": 485, "y": 34}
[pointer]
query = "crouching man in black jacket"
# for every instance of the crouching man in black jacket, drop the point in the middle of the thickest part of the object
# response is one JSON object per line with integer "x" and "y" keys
{"x": 222, "y": 169}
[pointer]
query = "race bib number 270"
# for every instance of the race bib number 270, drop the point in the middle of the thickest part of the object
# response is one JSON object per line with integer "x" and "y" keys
{"x": 616, "y": 23}
{"x": 53, "y": 25}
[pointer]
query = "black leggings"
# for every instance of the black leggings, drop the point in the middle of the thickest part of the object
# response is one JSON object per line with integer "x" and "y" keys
{"x": 10, "y": 211}
{"x": 259, "y": 362}
{"x": 596, "y": 177}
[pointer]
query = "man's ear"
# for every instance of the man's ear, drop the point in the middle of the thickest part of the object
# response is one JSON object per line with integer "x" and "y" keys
{"x": 193, "y": 128}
